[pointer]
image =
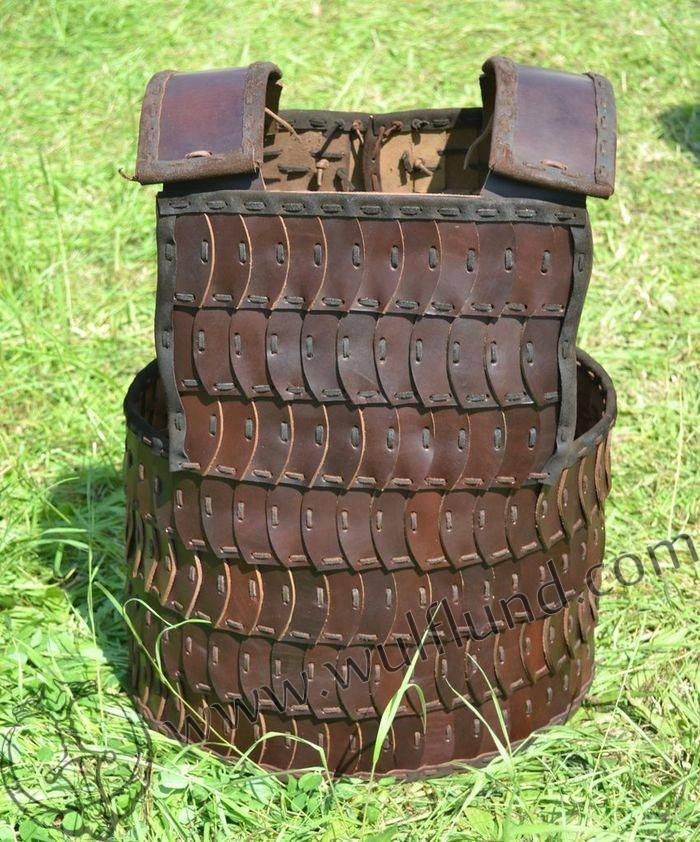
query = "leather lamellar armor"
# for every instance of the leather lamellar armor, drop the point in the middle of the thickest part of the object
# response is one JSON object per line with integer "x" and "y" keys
{"x": 368, "y": 443}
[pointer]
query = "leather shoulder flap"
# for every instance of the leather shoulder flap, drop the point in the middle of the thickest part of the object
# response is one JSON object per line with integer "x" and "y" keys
{"x": 201, "y": 125}
{"x": 550, "y": 128}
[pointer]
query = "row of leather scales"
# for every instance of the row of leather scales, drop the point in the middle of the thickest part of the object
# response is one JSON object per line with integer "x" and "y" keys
{"x": 358, "y": 682}
{"x": 333, "y": 531}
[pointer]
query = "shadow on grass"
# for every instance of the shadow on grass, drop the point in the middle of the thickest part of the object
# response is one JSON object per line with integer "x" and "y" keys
{"x": 73, "y": 755}
{"x": 83, "y": 532}
{"x": 681, "y": 125}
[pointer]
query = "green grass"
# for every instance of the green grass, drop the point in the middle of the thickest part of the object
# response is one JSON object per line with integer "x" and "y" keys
{"x": 77, "y": 277}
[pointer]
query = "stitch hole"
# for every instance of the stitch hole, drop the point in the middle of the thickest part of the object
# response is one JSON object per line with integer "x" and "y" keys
{"x": 356, "y": 255}
{"x": 280, "y": 253}
{"x": 346, "y": 347}
{"x": 508, "y": 259}
{"x": 456, "y": 352}
{"x": 355, "y": 437}
{"x": 394, "y": 257}
{"x": 432, "y": 257}
{"x": 390, "y": 438}
{"x": 309, "y": 347}
{"x": 462, "y": 439}
{"x": 531, "y": 437}
{"x": 204, "y": 251}
{"x": 318, "y": 254}
{"x": 530, "y": 353}
{"x": 471, "y": 260}
{"x": 381, "y": 349}
{"x": 284, "y": 431}
{"x": 419, "y": 350}
{"x": 426, "y": 438}
{"x": 243, "y": 252}
{"x": 546, "y": 262}
{"x": 494, "y": 353}
{"x": 497, "y": 438}
{"x": 213, "y": 424}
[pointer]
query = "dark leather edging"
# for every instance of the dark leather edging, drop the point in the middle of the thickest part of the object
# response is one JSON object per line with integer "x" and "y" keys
{"x": 566, "y": 353}
{"x": 373, "y": 206}
{"x": 579, "y": 446}
{"x": 606, "y": 139}
{"x": 165, "y": 339}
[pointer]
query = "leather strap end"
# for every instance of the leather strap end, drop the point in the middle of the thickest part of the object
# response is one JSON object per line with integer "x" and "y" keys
{"x": 204, "y": 125}
{"x": 550, "y": 128}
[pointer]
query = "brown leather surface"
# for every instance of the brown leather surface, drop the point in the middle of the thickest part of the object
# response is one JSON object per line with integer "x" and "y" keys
{"x": 512, "y": 627}
{"x": 542, "y": 124}
{"x": 187, "y": 133}
{"x": 455, "y": 733}
{"x": 367, "y": 437}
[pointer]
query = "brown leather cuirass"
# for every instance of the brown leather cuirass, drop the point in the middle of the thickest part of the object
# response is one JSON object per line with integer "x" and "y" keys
{"x": 368, "y": 445}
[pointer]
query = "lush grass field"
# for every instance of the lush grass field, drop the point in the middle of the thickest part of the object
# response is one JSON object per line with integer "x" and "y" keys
{"x": 77, "y": 278}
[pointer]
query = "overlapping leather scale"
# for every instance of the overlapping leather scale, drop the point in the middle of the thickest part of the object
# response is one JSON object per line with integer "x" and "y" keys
{"x": 223, "y": 693}
{"x": 306, "y": 604}
{"x": 422, "y": 326}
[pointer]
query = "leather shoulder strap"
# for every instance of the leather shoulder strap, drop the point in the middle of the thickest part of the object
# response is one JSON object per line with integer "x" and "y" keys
{"x": 549, "y": 128}
{"x": 201, "y": 125}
